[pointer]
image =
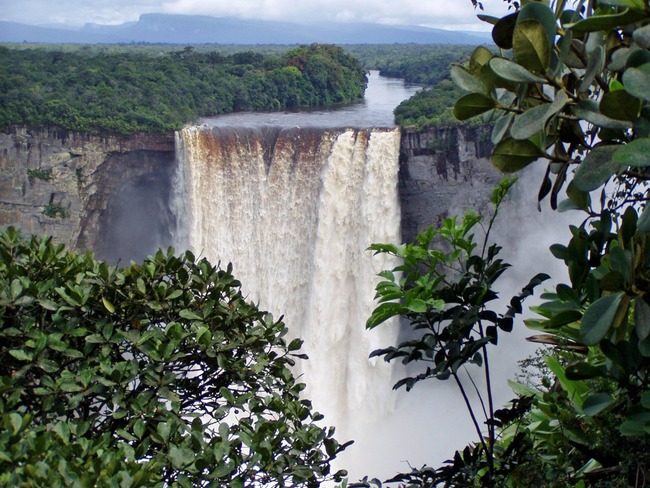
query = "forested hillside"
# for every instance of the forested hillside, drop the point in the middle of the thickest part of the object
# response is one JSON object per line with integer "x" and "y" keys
{"x": 415, "y": 63}
{"x": 426, "y": 65}
{"x": 127, "y": 92}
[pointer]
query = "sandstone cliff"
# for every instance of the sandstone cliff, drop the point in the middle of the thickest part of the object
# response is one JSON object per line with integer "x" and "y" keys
{"x": 111, "y": 194}
{"x": 75, "y": 187}
{"x": 443, "y": 172}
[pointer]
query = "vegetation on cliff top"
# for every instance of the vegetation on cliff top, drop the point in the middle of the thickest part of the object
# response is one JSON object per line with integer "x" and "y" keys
{"x": 430, "y": 66}
{"x": 127, "y": 92}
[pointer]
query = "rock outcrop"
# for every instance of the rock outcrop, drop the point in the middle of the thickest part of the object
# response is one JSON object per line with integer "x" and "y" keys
{"x": 111, "y": 194}
{"x": 75, "y": 187}
{"x": 443, "y": 172}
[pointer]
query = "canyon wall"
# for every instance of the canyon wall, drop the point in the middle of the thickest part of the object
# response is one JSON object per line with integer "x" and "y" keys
{"x": 111, "y": 193}
{"x": 77, "y": 187}
{"x": 443, "y": 172}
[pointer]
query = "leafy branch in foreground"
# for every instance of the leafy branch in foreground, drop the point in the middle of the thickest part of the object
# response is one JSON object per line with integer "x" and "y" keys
{"x": 443, "y": 288}
{"x": 158, "y": 374}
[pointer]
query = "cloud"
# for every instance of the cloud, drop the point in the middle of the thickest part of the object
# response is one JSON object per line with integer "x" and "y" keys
{"x": 433, "y": 13}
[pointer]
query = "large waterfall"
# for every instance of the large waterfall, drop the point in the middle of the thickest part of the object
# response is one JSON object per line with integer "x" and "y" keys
{"x": 294, "y": 210}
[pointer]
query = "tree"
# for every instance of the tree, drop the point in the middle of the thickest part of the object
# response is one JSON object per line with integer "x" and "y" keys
{"x": 158, "y": 374}
{"x": 569, "y": 87}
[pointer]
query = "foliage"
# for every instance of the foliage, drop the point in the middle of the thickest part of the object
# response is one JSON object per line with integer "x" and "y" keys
{"x": 429, "y": 107}
{"x": 443, "y": 287}
{"x": 158, "y": 374}
{"x": 414, "y": 63}
{"x": 44, "y": 174}
{"x": 425, "y": 65}
{"x": 569, "y": 65}
{"x": 571, "y": 87}
{"x": 54, "y": 210}
{"x": 130, "y": 92}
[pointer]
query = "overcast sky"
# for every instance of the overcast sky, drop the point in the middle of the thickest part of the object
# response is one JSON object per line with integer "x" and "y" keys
{"x": 446, "y": 14}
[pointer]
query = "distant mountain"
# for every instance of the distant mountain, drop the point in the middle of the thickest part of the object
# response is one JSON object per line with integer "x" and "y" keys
{"x": 198, "y": 29}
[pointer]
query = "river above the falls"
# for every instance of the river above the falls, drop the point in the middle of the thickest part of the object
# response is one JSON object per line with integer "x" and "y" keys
{"x": 381, "y": 97}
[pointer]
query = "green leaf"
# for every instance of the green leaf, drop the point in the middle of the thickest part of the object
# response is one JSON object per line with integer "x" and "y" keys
{"x": 382, "y": 313}
{"x": 174, "y": 295}
{"x": 595, "y": 64}
{"x": 48, "y": 365}
{"x": 70, "y": 386}
{"x": 479, "y": 58}
{"x": 490, "y": 19}
{"x": 578, "y": 197}
{"x": 582, "y": 371}
{"x": 598, "y": 319}
{"x": 417, "y": 306}
{"x": 16, "y": 288}
{"x": 501, "y": 127}
{"x": 223, "y": 469}
{"x": 471, "y": 105}
{"x": 633, "y": 427}
{"x": 531, "y": 46}
{"x": 20, "y": 355}
{"x": 540, "y": 12}
{"x": 203, "y": 336}
{"x": 503, "y": 30}
{"x": 620, "y": 105}
{"x": 589, "y": 110}
{"x": 596, "y": 403}
{"x": 108, "y": 305}
{"x": 643, "y": 224}
{"x": 465, "y": 80}
{"x": 529, "y": 123}
{"x": 164, "y": 430}
{"x": 513, "y": 72}
{"x": 635, "y": 153}
{"x": 139, "y": 428}
{"x": 604, "y": 22}
{"x": 48, "y": 304}
{"x": 521, "y": 389}
{"x": 576, "y": 389}
{"x": 597, "y": 168}
{"x": 189, "y": 315}
{"x": 534, "y": 120}
{"x": 16, "y": 422}
{"x": 95, "y": 339}
{"x": 642, "y": 318}
{"x": 637, "y": 4}
{"x": 637, "y": 81}
{"x": 642, "y": 35}
{"x": 63, "y": 431}
{"x": 511, "y": 155}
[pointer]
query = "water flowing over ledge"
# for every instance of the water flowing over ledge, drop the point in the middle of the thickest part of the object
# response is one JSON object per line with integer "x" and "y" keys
{"x": 294, "y": 210}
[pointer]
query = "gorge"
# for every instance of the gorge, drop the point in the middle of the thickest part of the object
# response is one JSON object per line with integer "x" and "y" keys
{"x": 294, "y": 209}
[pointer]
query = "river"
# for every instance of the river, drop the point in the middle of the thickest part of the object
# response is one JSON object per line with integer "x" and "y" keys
{"x": 381, "y": 97}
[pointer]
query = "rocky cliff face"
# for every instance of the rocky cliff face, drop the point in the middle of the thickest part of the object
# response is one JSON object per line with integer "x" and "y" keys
{"x": 77, "y": 187}
{"x": 443, "y": 172}
{"x": 111, "y": 194}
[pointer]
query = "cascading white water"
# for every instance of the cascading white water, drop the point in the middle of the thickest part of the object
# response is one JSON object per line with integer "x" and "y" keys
{"x": 295, "y": 210}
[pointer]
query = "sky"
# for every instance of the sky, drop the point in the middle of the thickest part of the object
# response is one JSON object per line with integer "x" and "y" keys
{"x": 444, "y": 14}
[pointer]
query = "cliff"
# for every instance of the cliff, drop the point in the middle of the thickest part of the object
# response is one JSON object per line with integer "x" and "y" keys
{"x": 443, "y": 172}
{"x": 75, "y": 187}
{"x": 111, "y": 194}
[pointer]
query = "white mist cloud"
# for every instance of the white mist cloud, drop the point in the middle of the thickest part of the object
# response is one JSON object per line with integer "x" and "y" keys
{"x": 433, "y": 13}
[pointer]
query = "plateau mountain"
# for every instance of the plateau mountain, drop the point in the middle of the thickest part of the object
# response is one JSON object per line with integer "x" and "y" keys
{"x": 199, "y": 29}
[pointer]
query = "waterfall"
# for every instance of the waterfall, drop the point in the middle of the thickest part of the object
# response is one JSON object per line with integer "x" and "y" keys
{"x": 294, "y": 210}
